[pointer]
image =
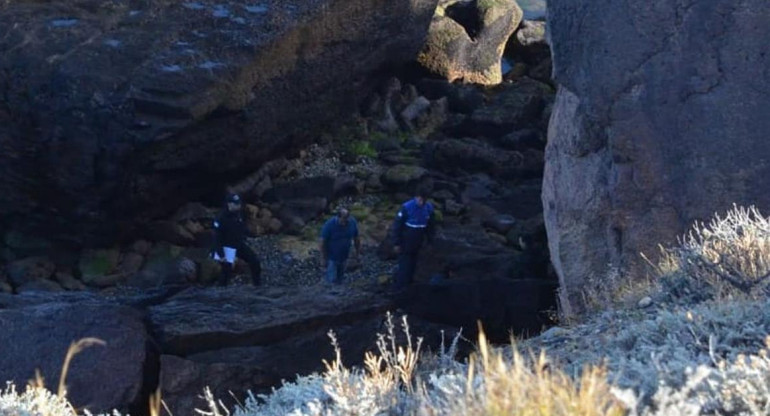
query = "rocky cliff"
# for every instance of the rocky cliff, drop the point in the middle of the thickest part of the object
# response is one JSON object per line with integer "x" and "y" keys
{"x": 660, "y": 120}
{"x": 114, "y": 112}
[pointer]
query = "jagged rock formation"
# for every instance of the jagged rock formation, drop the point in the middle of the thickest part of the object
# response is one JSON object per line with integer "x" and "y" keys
{"x": 467, "y": 38}
{"x": 115, "y": 112}
{"x": 660, "y": 120}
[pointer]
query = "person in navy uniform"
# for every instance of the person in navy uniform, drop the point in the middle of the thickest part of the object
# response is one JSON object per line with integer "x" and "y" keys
{"x": 414, "y": 226}
{"x": 230, "y": 241}
{"x": 337, "y": 235}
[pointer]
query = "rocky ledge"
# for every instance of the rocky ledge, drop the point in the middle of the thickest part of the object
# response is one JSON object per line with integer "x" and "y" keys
{"x": 116, "y": 111}
{"x": 231, "y": 339}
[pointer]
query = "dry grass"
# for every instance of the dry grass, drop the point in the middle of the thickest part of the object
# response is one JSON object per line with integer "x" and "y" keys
{"x": 39, "y": 401}
{"x": 400, "y": 380}
{"x": 612, "y": 291}
{"x": 727, "y": 258}
{"x": 498, "y": 384}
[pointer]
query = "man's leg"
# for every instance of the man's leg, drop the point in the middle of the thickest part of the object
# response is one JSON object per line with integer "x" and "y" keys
{"x": 331, "y": 272}
{"x": 247, "y": 254}
{"x": 411, "y": 268}
{"x": 340, "y": 271}
{"x": 403, "y": 272}
{"x": 227, "y": 272}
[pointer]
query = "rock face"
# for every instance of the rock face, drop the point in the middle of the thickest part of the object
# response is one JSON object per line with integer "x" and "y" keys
{"x": 117, "y": 111}
{"x": 661, "y": 121}
{"x": 467, "y": 38}
{"x": 101, "y": 377}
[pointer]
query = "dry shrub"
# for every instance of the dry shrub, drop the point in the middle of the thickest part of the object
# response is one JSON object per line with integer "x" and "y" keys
{"x": 37, "y": 400}
{"x": 727, "y": 258}
{"x": 387, "y": 385}
{"x": 737, "y": 387}
{"x": 614, "y": 290}
{"x": 399, "y": 380}
{"x": 499, "y": 384}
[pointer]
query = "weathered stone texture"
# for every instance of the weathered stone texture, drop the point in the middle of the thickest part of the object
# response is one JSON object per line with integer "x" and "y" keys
{"x": 660, "y": 120}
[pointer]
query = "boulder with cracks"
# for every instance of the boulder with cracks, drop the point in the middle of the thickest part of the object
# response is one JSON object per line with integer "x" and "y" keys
{"x": 660, "y": 122}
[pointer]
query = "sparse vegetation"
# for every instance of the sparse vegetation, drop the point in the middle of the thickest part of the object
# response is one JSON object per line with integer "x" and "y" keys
{"x": 701, "y": 348}
{"x": 728, "y": 258}
{"x": 361, "y": 148}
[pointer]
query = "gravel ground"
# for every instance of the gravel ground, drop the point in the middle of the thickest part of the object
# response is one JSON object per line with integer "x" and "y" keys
{"x": 295, "y": 260}
{"x": 284, "y": 268}
{"x": 325, "y": 161}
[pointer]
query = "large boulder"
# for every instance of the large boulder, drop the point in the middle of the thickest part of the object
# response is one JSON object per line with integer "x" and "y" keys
{"x": 198, "y": 320}
{"x": 115, "y": 111}
{"x": 467, "y": 39}
{"x": 101, "y": 377}
{"x": 660, "y": 122}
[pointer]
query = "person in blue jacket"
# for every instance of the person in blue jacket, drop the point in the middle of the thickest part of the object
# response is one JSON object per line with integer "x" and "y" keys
{"x": 414, "y": 226}
{"x": 337, "y": 235}
{"x": 230, "y": 241}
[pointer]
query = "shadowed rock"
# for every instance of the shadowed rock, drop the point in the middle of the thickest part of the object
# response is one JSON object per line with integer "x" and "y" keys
{"x": 101, "y": 377}
{"x": 114, "y": 112}
{"x": 199, "y": 320}
{"x": 502, "y": 306}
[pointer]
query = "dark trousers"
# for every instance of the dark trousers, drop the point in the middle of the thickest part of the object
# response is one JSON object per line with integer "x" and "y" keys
{"x": 246, "y": 254}
{"x": 407, "y": 264}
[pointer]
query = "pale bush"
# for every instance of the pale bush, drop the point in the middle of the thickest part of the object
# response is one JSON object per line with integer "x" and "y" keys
{"x": 37, "y": 400}
{"x": 496, "y": 384}
{"x": 34, "y": 401}
{"x": 725, "y": 259}
{"x": 740, "y": 387}
{"x": 400, "y": 381}
{"x": 385, "y": 386}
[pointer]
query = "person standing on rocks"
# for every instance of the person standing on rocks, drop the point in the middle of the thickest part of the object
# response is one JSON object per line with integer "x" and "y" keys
{"x": 337, "y": 235}
{"x": 414, "y": 226}
{"x": 230, "y": 241}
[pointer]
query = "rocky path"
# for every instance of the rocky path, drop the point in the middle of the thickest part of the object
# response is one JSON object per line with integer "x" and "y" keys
{"x": 299, "y": 265}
